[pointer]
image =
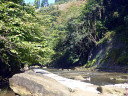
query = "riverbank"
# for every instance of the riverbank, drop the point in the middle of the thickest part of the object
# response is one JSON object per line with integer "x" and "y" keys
{"x": 78, "y": 87}
{"x": 72, "y": 84}
{"x": 93, "y": 89}
{"x": 93, "y": 79}
{"x": 99, "y": 78}
{"x": 117, "y": 69}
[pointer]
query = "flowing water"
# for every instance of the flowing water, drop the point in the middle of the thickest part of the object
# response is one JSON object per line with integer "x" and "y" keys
{"x": 96, "y": 78}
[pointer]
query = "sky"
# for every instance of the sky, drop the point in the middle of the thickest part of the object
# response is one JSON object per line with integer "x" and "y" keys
{"x": 32, "y": 1}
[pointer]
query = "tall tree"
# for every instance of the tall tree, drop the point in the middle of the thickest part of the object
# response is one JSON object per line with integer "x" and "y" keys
{"x": 37, "y": 3}
{"x": 44, "y": 3}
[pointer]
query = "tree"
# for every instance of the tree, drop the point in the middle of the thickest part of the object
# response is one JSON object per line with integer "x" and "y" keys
{"x": 115, "y": 11}
{"x": 61, "y": 0}
{"x": 37, "y": 4}
{"x": 15, "y": 1}
{"x": 44, "y": 3}
{"x": 21, "y": 40}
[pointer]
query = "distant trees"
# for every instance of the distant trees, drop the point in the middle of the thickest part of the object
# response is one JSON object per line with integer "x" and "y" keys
{"x": 61, "y": 0}
{"x": 15, "y": 1}
{"x": 114, "y": 12}
{"x": 57, "y": 38}
{"x": 85, "y": 31}
{"x": 37, "y": 3}
{"x": 44, "y": 3}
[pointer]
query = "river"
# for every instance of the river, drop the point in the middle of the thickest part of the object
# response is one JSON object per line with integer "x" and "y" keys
{"x": 96, "y": 78}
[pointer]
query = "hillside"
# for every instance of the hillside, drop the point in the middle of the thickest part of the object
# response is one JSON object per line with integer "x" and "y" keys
{"x": 69, "y": 4}
{"x": 90, "y": 33}
{"x": 102, "y": 45}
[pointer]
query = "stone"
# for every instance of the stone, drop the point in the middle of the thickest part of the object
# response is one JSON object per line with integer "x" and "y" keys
{"x": 35, "y": 84}
{"x": 78, "y": 77}
{"x": 43, "y": 83}
{"x": 110, "y": 91}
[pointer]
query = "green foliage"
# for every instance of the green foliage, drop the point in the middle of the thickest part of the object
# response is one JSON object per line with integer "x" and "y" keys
{"x": 115, "y": 53}
{"x": 22, "y": 41}
{"x": 74, "y": 32}
{"x": 90, "y": 63}
{"x": 68, "y": 46}
{"x": 101, "y": 60}
{"x": 37, "y": 3}
{"x": 44, "y": 3}
{"x": 126, "y": 19}
{"x": 47, "y": 10}
{"x": 62, "y": 38}
{"x": 123, "y": 59}
{"x": 61, "y": 1}
{"x": 107, "y": 37}
{"x": 118, "y": 56}
{"x": 15, "y": 1}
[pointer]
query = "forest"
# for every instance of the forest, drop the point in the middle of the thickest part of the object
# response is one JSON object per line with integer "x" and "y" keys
{"x": 63, "y": 38}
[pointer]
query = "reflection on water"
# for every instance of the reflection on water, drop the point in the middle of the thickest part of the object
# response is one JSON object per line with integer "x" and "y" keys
{"x": 97, "y": 78}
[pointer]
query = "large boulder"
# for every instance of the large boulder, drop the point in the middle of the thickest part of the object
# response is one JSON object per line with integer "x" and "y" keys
{"x": 35, "y": 84}
{"x": 44, "y": 83}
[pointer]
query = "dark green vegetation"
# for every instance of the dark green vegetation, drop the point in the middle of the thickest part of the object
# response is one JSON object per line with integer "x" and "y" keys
{"x": 21, "y": 40}
{"x": 63, "y": 38}
{"x": 61, "y": 1}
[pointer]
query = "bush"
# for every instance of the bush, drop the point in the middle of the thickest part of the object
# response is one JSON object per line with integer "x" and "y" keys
{"x": 123, "y": 59}
{"x": 20, "y": 37}
{"x": 90, "y": 63}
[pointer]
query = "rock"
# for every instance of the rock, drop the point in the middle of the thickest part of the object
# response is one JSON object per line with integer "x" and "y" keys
{"x": 35, "y": 84}
{"x": 110, "y": 91}
{"x": 45, "y": 67}
{"x": 44, "y": 83}
{"x": 78, "y": 77}
{"x": 83, "y": 93}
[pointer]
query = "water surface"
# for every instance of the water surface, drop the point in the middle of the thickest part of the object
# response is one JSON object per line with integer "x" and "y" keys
{"x": 97, "y": 78}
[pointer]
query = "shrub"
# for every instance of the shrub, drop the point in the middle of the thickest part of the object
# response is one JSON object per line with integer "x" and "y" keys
{"x": 90, "y": 63}
{"x": 123, "y": 59}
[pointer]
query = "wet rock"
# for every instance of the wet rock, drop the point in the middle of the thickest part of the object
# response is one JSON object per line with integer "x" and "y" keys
{"x": 35, "y": 84}
{"x": 83, "y": 93}
{"x": 78, "y": 77}
{"x": 110, "y": 91}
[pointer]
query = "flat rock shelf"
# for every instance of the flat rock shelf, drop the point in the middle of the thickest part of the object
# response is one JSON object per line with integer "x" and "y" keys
{"x": 39, "y": 82}
{"x": 72, "y": 84}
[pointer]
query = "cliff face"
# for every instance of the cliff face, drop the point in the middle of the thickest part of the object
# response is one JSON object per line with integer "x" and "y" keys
{"x": 110, "y": 54}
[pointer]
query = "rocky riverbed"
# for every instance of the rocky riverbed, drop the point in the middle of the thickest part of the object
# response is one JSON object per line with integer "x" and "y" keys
{"x": 42, "y": 83}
